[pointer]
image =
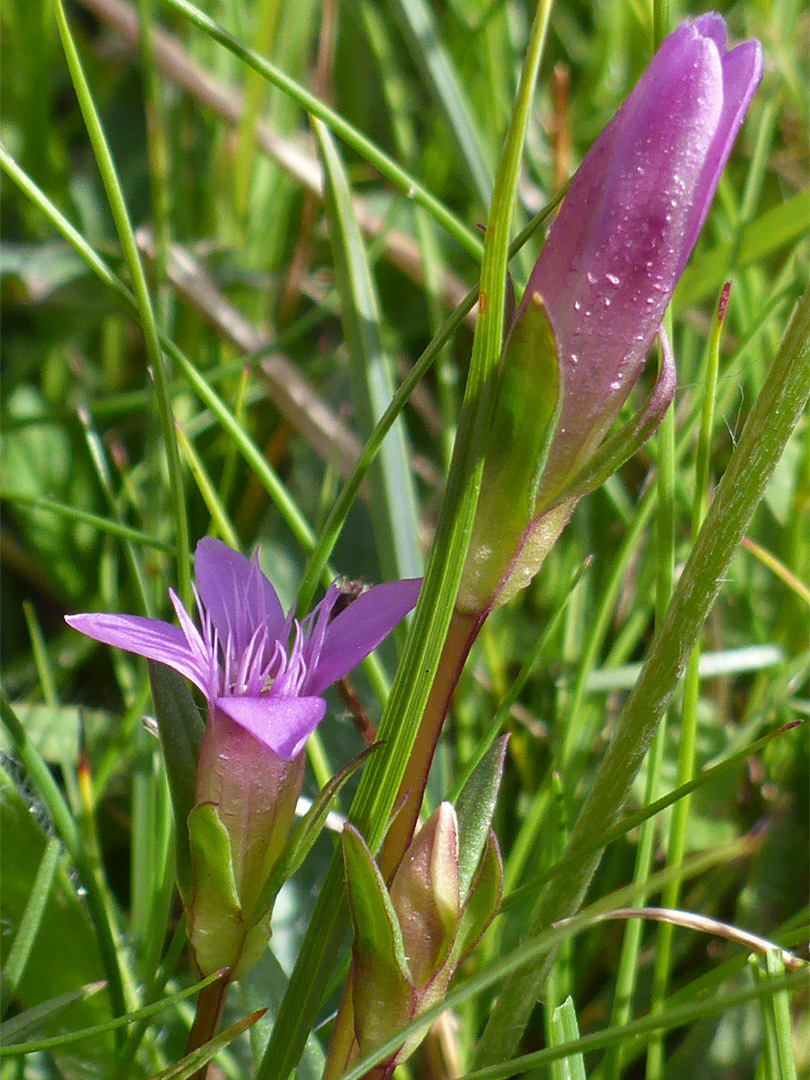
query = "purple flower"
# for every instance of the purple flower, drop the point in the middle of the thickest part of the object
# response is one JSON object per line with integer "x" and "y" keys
{"x": 629, "y": 222}
{"x": 595, "y": 300}
{"x": 262, "y": 674}
{"x": 264, "y": 671}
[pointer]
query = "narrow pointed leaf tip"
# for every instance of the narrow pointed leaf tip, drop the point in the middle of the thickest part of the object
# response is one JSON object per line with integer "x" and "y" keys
{"x": 604, "y": 277}
{"x": 265, "y": 671}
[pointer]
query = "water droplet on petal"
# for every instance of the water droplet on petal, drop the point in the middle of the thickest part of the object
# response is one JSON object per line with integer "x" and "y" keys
{"x": 612, "y": 279}
{"x": 577, "y": 305}
{"x": 591, "y": 278}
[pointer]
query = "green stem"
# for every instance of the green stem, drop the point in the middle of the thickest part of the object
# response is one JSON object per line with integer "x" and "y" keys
{"x": 461, "y": 634}
{"x": 146, "y": 314}
{"x": 775, "y": 414}
{"x": 687, "y": 741}
{"x": 665, "y": 569}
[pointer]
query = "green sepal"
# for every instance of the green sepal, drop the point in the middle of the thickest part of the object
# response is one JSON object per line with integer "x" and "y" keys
{"x": 475, "y": 807}
{"x": 384, "y": 996}
{"x": 483, "y": 901}
{"x": 527, "y": 407}
{"x": 214, "y": 917}
{"x": 181, "y": 730}
{"x": 307, "y": 831}
{"x": 523, "y": 425}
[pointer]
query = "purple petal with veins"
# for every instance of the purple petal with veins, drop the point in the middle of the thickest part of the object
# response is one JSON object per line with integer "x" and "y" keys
{"x": 266, "y": 672}
{"x": 357, "y": 630}
{"x": 145, "y": 637}
{"x": 282, "y": 724}
{"x": 235, "y": 593}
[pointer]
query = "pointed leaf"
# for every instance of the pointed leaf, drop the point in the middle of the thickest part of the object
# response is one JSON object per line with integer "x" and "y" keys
{"x": 214, "y": 915}
{"x": 38, "y": 1017}
{"x": 564, "y": 1029}
{"x": 308, "y": 830}
{"x": 191, "y": 1064}
{"x": 483, "y": 902}
{"x": 181, "y": 732}
{"x": 524, "y": 421}
{"x": 384, "y": 998}
{"x": 474, "y": 809}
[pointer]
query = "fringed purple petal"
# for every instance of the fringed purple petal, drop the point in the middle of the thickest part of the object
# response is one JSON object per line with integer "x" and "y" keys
{"x": 282, "y": 724}
{"x": 145, "y": 637}
{"x": 315, "y": 626}
{"x": 236, "y": 594}
{"x": 360, "y": 628}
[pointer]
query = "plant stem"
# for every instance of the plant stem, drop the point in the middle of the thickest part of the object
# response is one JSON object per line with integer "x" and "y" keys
{"x": 210, "y": 1003}
{"x": 461, "y": 634}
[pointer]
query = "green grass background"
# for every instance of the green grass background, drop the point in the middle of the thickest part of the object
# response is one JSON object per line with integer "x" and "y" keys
{"x": 102, "y": 499}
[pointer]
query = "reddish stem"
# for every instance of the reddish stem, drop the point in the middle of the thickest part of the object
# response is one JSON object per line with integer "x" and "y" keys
{"x": 461, "y": 634}
{"x": 210, "y": 1003}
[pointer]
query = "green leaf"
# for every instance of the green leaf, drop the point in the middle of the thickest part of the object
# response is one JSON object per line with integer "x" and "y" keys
{"x": 190, "y": 1065}
{"x": 38, "y": 1017}
{"x": 781, "y": 225}
{"x": 474, "y": 809}
{"x": 776, "y": 1017}
{"x": 529, "y": 396}
{"x": 564, "y": 1029}
{"x": 380, "y": 975}
{"x": 181, "y": 733}
{"x": 429, "y": 53}
{"x": 44, "y": 460}
{"x": 483, "y": 902}
{"x": 215, "y": 922}
{"x": 43, "y": 988}
{"x": 393, "y": 502}
{"x": 264, "y": 986}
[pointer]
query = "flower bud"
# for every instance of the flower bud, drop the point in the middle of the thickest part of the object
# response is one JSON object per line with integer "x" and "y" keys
{"x": 595, "y": 300}
{"x": 410, "y": 940}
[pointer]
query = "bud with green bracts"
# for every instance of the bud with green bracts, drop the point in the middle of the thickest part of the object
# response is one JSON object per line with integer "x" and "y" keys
{"x": 595, "y": 300}
{"x": 410, "y": 937}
